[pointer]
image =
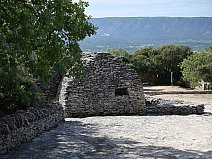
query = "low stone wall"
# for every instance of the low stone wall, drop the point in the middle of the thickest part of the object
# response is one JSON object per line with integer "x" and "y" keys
{"x": 178, "y": 92}
{"x": 23, "y": 126}
{"x": 175, "y": 110}
{"x": 155, "y": 106}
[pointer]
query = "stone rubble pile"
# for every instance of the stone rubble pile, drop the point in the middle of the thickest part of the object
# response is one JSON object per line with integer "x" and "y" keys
{"x": 157, "y": 106}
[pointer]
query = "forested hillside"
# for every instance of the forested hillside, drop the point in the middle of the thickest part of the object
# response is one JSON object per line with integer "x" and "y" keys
{"x": 134, "y": 32}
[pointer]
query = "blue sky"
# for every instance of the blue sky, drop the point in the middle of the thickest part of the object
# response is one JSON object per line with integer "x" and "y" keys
{"x": 149, "y": 8}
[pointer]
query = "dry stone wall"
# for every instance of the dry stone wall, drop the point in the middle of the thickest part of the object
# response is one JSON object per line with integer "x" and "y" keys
{"x": 51, "y": 91}
{"x": 157, "y": 106}
{"x": 108, "y": 87}
{"x": 23, "y": 126}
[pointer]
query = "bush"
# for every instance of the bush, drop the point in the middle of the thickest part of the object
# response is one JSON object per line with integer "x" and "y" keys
{"x": 183, "y": 83}
{"x": 17, "y": 92}
{"x": 198, "y": 67}
{"x": 210, "y": 87}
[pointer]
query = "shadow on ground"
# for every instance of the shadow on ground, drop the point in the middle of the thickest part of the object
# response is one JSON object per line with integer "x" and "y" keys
{"x": 73, "y": 139}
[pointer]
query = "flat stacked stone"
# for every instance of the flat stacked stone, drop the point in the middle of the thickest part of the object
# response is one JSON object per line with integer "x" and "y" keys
{"x": 23, "y": 126}
{"x": 108, "y": 87}
{"x": 157, "y": 106}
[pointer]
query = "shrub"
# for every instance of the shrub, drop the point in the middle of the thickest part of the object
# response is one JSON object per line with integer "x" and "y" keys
{"x": 17, "y": 92}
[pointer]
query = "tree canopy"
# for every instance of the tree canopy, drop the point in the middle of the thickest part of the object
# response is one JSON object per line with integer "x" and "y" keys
{"x": 198, "y": 67}
{"x": 160, "y": 62}
{"x": 156, "y": 64}
{"x": 43, "y": 35}
{"x": 143, "y": 60}
{"x": 39, "y": 38}
{"x": 168, "y": 60}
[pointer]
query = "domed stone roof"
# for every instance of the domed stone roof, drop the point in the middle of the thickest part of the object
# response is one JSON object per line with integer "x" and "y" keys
{"x": 108, "y": 87}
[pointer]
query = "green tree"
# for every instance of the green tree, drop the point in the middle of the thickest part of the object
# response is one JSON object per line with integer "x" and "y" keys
{"x": 40, "y": 37}
{"x": 142, "y": 60}
{"x": 156, "y": 64}
{"x": 168, "y": 60}
{"x": 198, "y": 67}
{"x": 43, "y": 35}
{"x": 120, "y": 53}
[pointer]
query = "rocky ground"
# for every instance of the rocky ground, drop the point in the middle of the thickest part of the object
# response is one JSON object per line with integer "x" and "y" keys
{"x": 116, "y": 137}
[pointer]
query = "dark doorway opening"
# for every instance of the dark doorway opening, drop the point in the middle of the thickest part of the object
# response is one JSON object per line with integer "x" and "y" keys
{"x": 121, "y": 91}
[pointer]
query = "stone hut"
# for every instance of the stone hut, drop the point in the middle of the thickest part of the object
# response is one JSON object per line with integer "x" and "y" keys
{"x": 108, "y": 87}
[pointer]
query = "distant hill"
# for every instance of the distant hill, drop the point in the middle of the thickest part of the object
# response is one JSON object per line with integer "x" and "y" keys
{"x": 132, "y": 33}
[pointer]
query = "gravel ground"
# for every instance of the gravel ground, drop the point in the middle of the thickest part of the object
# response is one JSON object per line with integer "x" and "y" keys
{"x": 117, "y": 137}
{"x": 151, "y": 137}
